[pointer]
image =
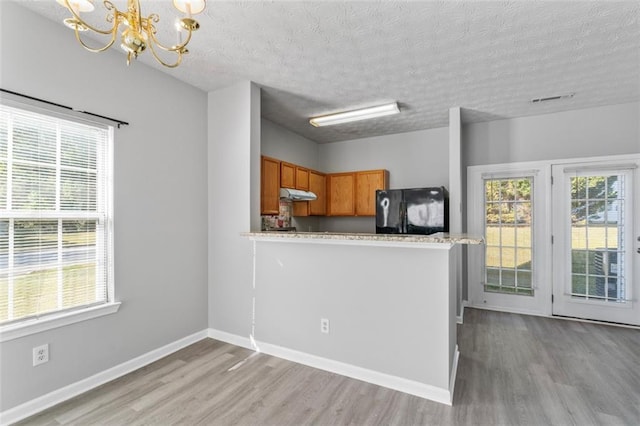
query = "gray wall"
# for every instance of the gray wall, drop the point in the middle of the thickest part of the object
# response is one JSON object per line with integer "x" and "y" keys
{"x": 414, "y": 159}
{"x": 234, "y": 182}
{"x": 607, "y": 130}
{"x": 283, "y": 144}
{"x": 160, "y": 203}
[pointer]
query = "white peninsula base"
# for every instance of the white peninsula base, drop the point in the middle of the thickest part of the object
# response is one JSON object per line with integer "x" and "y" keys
{"x": 390, "y": 303}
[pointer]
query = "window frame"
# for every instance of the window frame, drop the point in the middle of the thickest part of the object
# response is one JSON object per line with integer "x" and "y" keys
{"x": 46, "y": 321}
{"x": 536, "y": 304}
{"x": 500, "y": 286}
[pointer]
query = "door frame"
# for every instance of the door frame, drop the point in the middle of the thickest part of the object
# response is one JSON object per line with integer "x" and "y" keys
{"x": 593, "y": 310}
{"x": 539, "y": 304}
{"x": 543, "y": 239}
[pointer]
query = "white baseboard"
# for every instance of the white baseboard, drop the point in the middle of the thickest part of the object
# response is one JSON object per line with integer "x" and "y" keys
{"x": 233, "y": 339}
{"x": 508, "y": 310}
{"x": 454, "y": 372}
{"x": 412, "y": 387}
{"x": 43, "y": 402}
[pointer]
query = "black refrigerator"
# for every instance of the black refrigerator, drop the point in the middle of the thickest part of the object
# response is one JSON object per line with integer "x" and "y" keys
{"x": 412, "y": 211}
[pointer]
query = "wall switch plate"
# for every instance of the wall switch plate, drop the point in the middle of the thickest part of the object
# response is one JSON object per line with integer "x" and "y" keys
{"x": 324, "y": 325}
{"x": 40, "y": 354}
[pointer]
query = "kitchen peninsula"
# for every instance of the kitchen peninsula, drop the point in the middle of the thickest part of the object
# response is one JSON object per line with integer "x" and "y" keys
{"x": 386, "y": 303}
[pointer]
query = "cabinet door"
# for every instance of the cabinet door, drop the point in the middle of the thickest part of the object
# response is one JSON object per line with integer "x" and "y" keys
{"x": 302, "y": 178}
{"x": 269, "y": 186}
{"x": 341, "y": 194}
{"x": 318, "y": 185}
{"x": 300, "y": 208}
{"x": 287, "y": 175}
{"x": 367, "y": 182}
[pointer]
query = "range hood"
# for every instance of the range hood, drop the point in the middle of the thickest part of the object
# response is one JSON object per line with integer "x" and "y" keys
{"x": 297, "y": 194}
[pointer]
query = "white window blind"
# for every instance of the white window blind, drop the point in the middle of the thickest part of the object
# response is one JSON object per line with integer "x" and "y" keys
{"x": 55, "y": 214}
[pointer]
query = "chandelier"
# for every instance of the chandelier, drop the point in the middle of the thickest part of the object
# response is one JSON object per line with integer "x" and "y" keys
{"x": 139, "y": 32}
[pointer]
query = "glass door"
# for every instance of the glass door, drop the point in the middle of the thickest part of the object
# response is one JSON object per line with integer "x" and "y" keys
{"x": 509, "y": 209}
{"x": 596, "y": 217}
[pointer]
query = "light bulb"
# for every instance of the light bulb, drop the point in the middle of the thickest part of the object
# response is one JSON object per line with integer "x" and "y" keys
{"x": 190, "y": 7}
{"x": 78, "y": 5}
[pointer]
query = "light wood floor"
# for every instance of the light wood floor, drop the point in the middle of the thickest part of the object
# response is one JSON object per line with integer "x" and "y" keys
{"x": 513, "y": 370}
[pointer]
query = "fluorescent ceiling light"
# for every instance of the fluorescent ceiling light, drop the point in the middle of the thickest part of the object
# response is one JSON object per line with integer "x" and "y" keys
{"x": 355, "y": 115}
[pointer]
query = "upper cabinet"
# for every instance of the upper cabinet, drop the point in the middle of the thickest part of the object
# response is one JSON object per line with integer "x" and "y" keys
{"x": 354, "y": 193}
{"x": 302, "y": 178}
{"x": 367, "y": 183}
{"x": 341, "y": 190}
{"x": 318, "y": 185}
{"x": 317, "y": 207}
{"x": 269, "y": 186}
{"x": 288, "y": 175}
{"x": 339, "y": 194}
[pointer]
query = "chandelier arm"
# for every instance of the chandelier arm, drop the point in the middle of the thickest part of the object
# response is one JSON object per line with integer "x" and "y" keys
{"x": 109, "y": 6}
{"x": 114, "y": 34}
{"x": 159, "y": 59}
{"x": 151, "y": 31}
{"x": 152, "y": 42}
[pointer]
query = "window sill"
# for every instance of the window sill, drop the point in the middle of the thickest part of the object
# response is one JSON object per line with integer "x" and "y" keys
{"x": 38, "y": 325}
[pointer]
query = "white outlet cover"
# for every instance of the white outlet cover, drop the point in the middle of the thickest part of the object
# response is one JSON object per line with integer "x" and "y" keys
{"x": 40, "y": 354}
{"x": 324, "y": 325}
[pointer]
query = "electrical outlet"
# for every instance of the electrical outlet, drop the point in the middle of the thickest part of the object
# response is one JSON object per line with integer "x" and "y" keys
{"x": 40, "y": 354}
{"x": 324, "y": 325}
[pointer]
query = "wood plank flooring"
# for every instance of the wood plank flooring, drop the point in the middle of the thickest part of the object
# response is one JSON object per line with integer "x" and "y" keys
{"x": 514, "y": 370}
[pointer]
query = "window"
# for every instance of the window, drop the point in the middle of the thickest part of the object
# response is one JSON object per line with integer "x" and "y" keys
{"x": 55, "y": 215}
{"x": 508, "y": 225}
{"x": 597, "y": 236}
{"x": 595, "y": 225}
{"x": 510, "y": 205}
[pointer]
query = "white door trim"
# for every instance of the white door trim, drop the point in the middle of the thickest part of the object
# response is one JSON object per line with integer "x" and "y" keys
{"x": 540, "y": 303}
{"x": 565, "y": 304}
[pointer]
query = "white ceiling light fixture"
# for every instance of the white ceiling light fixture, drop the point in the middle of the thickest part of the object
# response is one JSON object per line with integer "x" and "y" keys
{"x": 355, "y": 115}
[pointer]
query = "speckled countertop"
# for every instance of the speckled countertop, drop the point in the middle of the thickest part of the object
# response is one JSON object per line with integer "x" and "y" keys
{"x": 439, "y": 238}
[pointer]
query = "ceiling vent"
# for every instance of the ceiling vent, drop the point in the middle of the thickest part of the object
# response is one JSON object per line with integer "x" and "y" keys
{"x": 552, "y": 98}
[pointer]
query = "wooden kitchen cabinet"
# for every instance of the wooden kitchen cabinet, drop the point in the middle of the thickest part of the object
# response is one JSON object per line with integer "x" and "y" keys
{"x": 339, "y": 194}
{"x": 318, "y": 185}
{"x": 269, "y": 185}
{"x": 302, "y": 178}
{"x": 341, "y": 189}
{"x": 354, "y": 194}
{"x": 300, "y": 208}
{"x": 367, "y": 183}
{"x": 287, "y": 175}
{"x": 317, "y": 207}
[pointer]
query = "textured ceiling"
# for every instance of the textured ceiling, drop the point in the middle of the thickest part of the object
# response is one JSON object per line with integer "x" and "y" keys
{"x": 490, "y": 58}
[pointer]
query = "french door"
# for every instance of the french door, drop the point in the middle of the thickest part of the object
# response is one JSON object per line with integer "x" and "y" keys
{"x": 509, "y": 208}
{"x": 596, "y": 239}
